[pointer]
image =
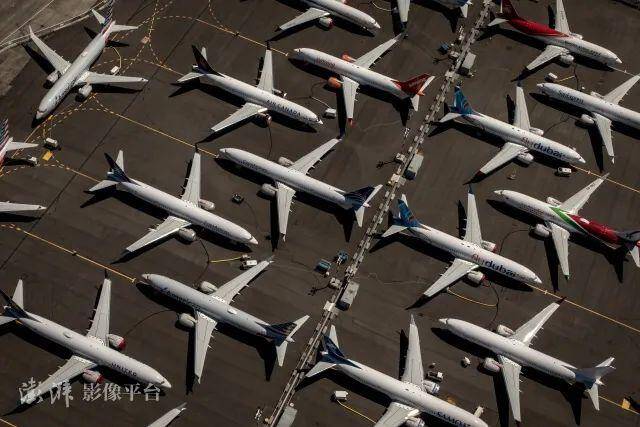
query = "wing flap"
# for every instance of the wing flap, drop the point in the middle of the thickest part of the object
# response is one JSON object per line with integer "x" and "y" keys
{"x": 511, "y": 374}
{"x": 574, "y": 203}
{"x": 310, "y": 15}
{"x": 245, "y": 112}
{"x": 100, "y": 323}
{"x": 508, "y": 152}
{"x": 560, "y": 238}
{"x": 521, "y": 116}
{"x": 72, "y": 368}
{"x": 413, "y": 369}
{"x": 549, "y": 53}
{"x": 266, "y": 75}
{"x": 230, "y": 289}
{"x": 472, "y": 232}
{"x": 204, "y": 329}
{"x": 527, "y": 332}
{"x": 396, "y": 415}
{"x": 367, "y": 60}
{"x": 192, "y": 190}
{"x": 349, "y": 90}
{"x": 604, "y": 129}
{"x": 305, "y": 163}
{"x": 58, "y": 62}
{"x": 458, "y": 269}
{"x": 168, "y": 227}
{"x": 284, "y": 199}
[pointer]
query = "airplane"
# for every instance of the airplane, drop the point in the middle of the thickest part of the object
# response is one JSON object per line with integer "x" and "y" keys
{"x": 562, "y": 219}
{"x": 97, "y": 348}
{"x": 67, "y": 76}
{"x": 520, "y": 137}
{"x": 290, "y": 177}
{"x": 411, "y": 395}
{"x": 471, "y": 252}
{"x": 184, "y": 212}
{"x": 322, "y": 10}
{"x": 403, "y": 8}
{"x": 259, "y": 99}
{"x": 561, "y": 42}
{"x": 355, "y": 72}
{"x": 514, "y": 352}
{"x": 603, "y": 109}
{"x": 211, "y": 306}
{"x": 169, "y": 417}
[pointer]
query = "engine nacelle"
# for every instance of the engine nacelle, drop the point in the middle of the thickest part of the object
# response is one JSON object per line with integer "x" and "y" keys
{"x": 491, "y": 365}
{"x": 187, "y": 320}
{"x": 85, "y": 91}
{"x": 431, "y": 387}
{"x": 553, "y": 201}
{"x": 504, "y": 331}
{"x": 206, "y": 205}
{"x": 207, "y": 287}
{"x": 576, "y": 35}
{"x": 268, "y": 190}
{"x": 414, "y": 422}
{"x": 525, "y": 158}
{"x": 116, "y": 341}
{"x": 475, "y": 277}
{"x": 586, "y": 119}
{"x": 536, "y": 131}
{"x": 187, "y": 234}
{"x": 53, "y": 77}
{"x": 348, "y": 58}
{"x": 283, "y": 161}
{"x": 325, "y": 22}
{"x": 566, "y": 59}
{"x": 490, "y": 246}
{"x": 92, "y": 377}
{"x": 266, "y": 118}
{"x": 541, "y": 231}
{"x": 334, "y": 83}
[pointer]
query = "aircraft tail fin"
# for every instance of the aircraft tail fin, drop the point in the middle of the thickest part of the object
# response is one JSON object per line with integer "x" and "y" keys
{"x": 415, "y": 85}
{"x": 107, "y": 21}
{"x": 115, "y": 175}
{"x": 331, "y": 355}
{"x": 461, "y": 105}
{"x": 202, "y": 65}
{"x": 15, "y": 305}
{"x": 464, "y": 10}
{"x": 285, "y": 331}
{"x": 631, "y": 241}
{"x": 591, "y": 378}
{"x": 360, "y": 200}
{"x": 507, "y": 11}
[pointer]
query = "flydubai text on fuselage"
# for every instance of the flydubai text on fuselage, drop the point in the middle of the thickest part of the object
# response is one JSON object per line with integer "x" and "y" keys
{"x": 592, "y": 103}
{"x": 289, "y": 176}
{"x": 346, "y": 12}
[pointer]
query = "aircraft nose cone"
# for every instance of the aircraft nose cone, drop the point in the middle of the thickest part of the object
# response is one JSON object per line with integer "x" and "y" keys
{"x": 581, "y": 160}
{"x": 165, "y": 384}
{"x": 319, "y": 121}
{"x": 253, "y": 241}
{"x": 537, "y": 280}
{"x": 145, "y": 276}
{"x": 499, "y": 193}
{"x": 618, "y": 61}
{"x": 540, "y": 86}
{"x": 39, "y": 114}
{"x": 376, "y": 25}
{"x": 444, "y": 321}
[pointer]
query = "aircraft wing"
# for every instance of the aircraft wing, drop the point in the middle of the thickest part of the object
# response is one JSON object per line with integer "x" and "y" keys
{"x": 472, "y": 232}
{"x": 13, "y": 146}
{"x": 58, "y": 62}
{"x": 457, "y": 270}
{"x": 508, "y": 152}
{"x": 396, "y": 415}
{"x": 307, "y": 162}
{"x": 549, "y": 53}
{"x": 560, "y": 238}
{"x": 310, "y": 15}
{"x": 562, "y": 24}
{"x": 284, "y": 198}
{"x": 604, "y": 129}
{"x": 246, "y": 111}
{"x": 75, "y": 366}
{"x": 9, "y": 207}
{"x": 511, "y": 374}
{"x": 266, "y": 75}
{"x": 367, "y": 60}
{"x": 574, "y": 203}
{"x": 169, "y": 226}
{"x": 527, "y": 332}
{"x": 107, "y": 79}
{"x": 349, "y": 90}
{"x": 192, "y": 190}
{"x": 100, "y": 322}
{"x": 413, "y": 369}
{"x": 521, "y": 116}
{"x": 204, "y": 328}
{"x": 403, "y": 10}
{"x": 168, "y": 417}
{"x": 230, "y": 289}
{"x": 618, "y": 93}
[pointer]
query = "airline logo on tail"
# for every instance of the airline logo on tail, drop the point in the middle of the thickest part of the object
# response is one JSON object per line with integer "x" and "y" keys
{"x": 460, "y": 103}
{"x": 413, "y": 86}
{"x": 507, "y": 10}
{"x": 406, "y": 216}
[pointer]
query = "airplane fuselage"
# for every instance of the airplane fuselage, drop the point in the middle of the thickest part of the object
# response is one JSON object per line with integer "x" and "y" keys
{"x": 592, "y": 103}
{"x": 344, "y": 11}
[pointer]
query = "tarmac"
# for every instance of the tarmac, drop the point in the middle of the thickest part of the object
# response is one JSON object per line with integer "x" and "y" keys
{"x": 61, "y": 254}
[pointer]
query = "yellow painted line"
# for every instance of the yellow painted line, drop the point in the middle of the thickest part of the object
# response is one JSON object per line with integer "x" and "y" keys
{"x": 588, "y": 172}
{"x": 355, "y": 412}
{"x": 238, "y": 34}
{"x": 484, "y": 304}
{"x": 225, "y": 260}
{"x": 624, "y": 407}
{"x": 8, "y": 423}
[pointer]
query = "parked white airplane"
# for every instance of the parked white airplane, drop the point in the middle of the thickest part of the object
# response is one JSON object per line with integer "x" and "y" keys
{"x": 322, "y": 10}
{"x": 410, "y": 395}
{"x": 169, "y": 417}
{"x": 184, "y": 212}
{"x": 89, "y": 351}
{"x": 603, "y": 109}
{"x": 355, "y": 72}
{"x": 259, "y": 99}
{"x": 513, "y": 351}
{"x": 403, "y": 7}
{"x": 211, "y": 305}
{"x": 69, "y": 75}
{"x": 560, "y": 41}
{"x": 520, "y": 137}
{"x": 290, "y": 177}
{"x": 470, "y": 252}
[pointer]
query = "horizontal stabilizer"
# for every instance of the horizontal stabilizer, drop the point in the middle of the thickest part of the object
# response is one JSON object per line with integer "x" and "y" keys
{"x": 15, "y": 307}
{"x": 6, "y": 319}
{"x": 449, "y": 116}
{"x": 360, "y": 200}
{"x": 189, "y": 77}
{"x": 394, "y": 229}
{"x": 102, "y": 185}
{"x": 115, "y": 28}
{"x": 319, "y": 367}
{"x": 496, "y": 21}
{"x": 288, "y": 330}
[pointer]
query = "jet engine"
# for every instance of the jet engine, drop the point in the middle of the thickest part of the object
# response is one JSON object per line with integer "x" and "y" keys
{"x": 325, "y": 22}
{"x": 280, "y": 93}
{"x": 475, "y": 277}
{"x": 187, "y": 320}
{"x": 266, "y": 118}
{"x": 490, "y": 246}
{"x": 541, "y": 231}
{"x": 85, "y": 91}
{"x": 206, "y": 205}
{"x": 504, "y": 331}
{"x": 268, "y": 190}
{"x": 414, "y": 422}
{"x": 491, "y": 365}
{"x": 283, "y": 161}
{"x": 53, "y": 77}
{"x": 431, "y": 387}
{"x": 553, "y": 201}
{"x": 525, "y": 158}
{"x": 334, "y": 83}
{"x": 536, "y": 131}
{"x": 92, "y": 377}
{"x": 116, "y": 341}
{"x": 566, "y": 59}
{"x": 207, "y": 287}
{"x": 576, "y": 35}
{"x": 187, "y": 234}
{"x": 586, "y": 119}
{"x": 348, "y": 58}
